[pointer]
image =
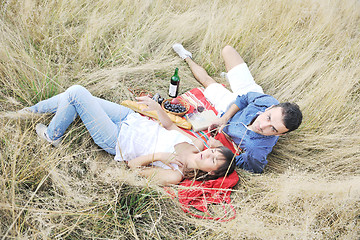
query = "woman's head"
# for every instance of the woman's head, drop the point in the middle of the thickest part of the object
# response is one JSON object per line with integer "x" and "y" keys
{"x": 212, "y": 163}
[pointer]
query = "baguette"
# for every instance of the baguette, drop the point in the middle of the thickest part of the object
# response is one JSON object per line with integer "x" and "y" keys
{"x": 137, "y": 107}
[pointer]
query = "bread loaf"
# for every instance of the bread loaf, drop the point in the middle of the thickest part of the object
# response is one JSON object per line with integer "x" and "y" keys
{"x": 137, "y": 107}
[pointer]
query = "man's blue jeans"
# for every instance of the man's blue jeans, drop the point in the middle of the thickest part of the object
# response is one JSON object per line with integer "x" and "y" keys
{"x": 102, "y": 118}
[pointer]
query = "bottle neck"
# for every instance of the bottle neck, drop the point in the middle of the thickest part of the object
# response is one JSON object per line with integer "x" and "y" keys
{"x": 175, "y": 77}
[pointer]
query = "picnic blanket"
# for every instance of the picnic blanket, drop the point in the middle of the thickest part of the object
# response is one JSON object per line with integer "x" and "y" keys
{"x": 196, "y": 99}
{"x": 201, "y": 194}
{"x": 195, "y": 197}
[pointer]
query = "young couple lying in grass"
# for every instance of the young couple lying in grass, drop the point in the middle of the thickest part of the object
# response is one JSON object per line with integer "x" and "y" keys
{"x": 166, "y": 154}
{"x": 253, "y": 120}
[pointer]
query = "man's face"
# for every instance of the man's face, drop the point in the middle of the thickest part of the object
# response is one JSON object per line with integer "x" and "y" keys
{"x": 269, "y": 122}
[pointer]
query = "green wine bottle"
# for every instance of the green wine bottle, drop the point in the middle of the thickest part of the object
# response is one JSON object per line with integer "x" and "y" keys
{"x": 174, "y": 84}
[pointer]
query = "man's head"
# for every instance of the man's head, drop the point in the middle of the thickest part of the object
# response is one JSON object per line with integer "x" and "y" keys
{"x": 278, "y": 119}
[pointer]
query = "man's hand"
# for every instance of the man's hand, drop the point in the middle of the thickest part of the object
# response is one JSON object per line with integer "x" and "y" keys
{"x": 214, "y": 143}
{"x": 218, "y": 124}
{"x": 221, "y": 122}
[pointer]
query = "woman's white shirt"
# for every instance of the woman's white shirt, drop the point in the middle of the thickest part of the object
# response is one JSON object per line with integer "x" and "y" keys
{"x": 141, "y": 136}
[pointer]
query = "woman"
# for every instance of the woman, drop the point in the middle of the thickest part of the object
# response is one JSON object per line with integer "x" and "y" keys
{"x": 172, "y": 154}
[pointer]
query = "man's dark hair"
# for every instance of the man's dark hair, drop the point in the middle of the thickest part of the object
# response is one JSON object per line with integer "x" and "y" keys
{"x": 292, "y": 116}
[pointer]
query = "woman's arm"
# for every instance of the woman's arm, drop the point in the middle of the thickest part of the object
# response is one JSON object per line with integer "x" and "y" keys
{"x": 154, "y": 106}
{"x": 146, "y": 160}
{"x": 161, "y": 176}
{"x": 166, "y": 121}
{"x": 156, "y": 174}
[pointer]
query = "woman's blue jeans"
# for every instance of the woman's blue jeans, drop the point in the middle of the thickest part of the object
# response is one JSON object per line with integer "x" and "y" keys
{"x": 102, "y": 118}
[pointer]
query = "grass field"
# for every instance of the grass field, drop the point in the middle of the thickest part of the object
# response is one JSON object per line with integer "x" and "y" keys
{"x": 304, "y": 51}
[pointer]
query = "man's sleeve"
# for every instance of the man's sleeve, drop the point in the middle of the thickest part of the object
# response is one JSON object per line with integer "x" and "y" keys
{"x": 253, "y": 161}
{"x": 242, "y": 101}
{"x": 258, "y": 99}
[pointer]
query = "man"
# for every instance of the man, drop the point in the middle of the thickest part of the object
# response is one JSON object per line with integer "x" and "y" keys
{"x": 252, "y": 119}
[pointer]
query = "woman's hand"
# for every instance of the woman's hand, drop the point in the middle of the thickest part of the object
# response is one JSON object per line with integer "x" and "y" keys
{"x": 213, "y": 143}
{"x": 162, "y": 116}
{"x": 152, "y": 105}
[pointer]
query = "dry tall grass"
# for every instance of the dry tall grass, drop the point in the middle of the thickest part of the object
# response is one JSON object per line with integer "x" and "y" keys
{"x": 304, "y": 51}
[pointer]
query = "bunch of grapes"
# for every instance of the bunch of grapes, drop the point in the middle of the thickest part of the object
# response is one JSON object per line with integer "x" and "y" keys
{"x": 174, "y": 107}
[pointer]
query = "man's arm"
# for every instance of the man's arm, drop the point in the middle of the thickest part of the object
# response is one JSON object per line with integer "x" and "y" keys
{"x": 253, "y": 159}
{"x": 223, "y": 120}
{"x": 241, "y": 102}
{"x": 220, "y": 124}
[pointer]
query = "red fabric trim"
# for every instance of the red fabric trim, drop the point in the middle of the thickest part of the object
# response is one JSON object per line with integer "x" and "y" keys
{"x": 199, "y": 193}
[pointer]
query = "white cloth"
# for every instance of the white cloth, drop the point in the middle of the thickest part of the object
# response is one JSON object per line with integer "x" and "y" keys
{"x": 241, "y": 82}
{"x": 141, "y": 136}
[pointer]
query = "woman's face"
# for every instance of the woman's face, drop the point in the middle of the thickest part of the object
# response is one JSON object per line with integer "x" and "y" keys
{"x": 209, "y": 160}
